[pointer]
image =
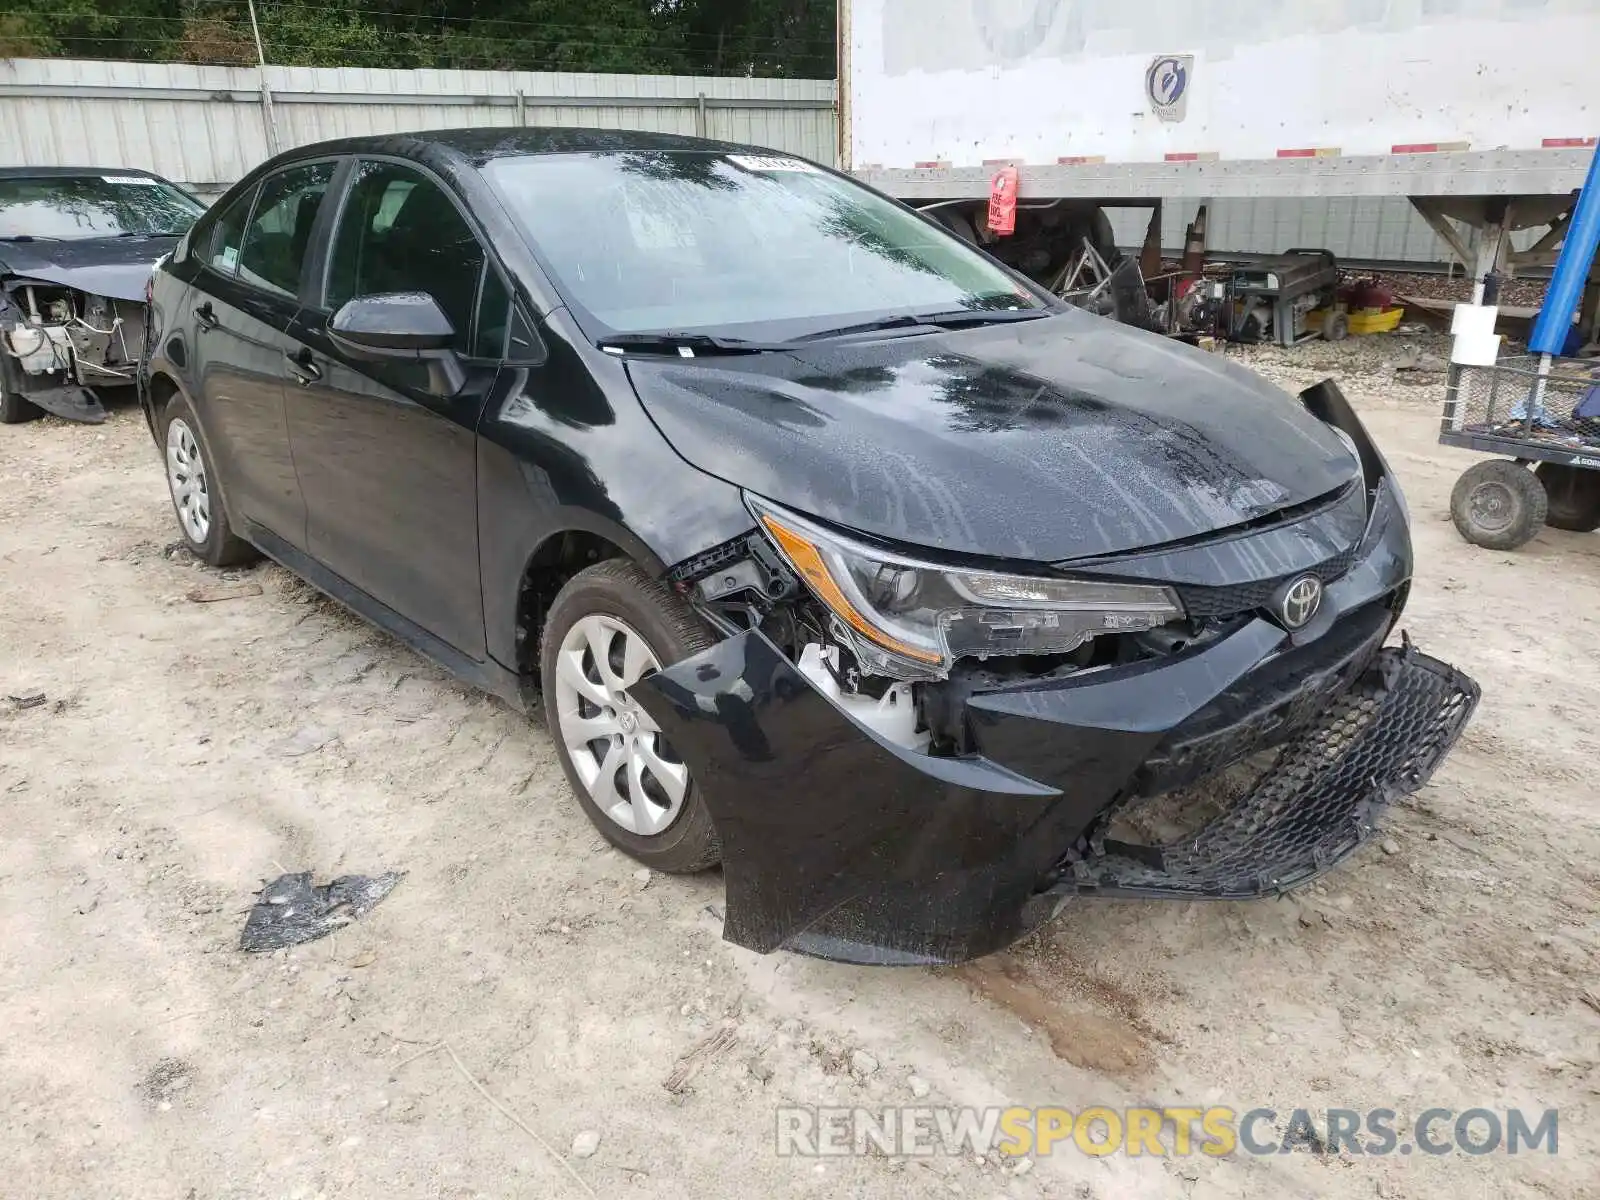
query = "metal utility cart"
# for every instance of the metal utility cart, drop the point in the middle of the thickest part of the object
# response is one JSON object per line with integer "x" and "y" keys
{"x": 1533, "y": 414}
{"x": 1540, "y": 409}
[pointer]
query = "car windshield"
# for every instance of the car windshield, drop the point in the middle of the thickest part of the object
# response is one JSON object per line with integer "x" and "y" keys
{"x": 734, "y": 243}
{"x": 91, "y": 206}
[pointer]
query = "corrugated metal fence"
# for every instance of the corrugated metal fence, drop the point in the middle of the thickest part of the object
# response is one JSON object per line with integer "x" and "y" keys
{"x": 205, "y": 127}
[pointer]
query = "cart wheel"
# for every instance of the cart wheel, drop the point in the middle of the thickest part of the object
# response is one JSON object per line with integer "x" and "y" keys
{"x": 1498, "y": 505}
{"x": 1335, "y": 327}
{"x": 1574, "y": 497}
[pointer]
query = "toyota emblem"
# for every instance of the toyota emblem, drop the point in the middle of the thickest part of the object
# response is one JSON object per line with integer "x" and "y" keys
{"x": 1300, "y": 601}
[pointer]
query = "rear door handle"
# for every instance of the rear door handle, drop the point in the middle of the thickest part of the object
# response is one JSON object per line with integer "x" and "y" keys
{"x": 302, "y": 366}
{"x": 206, "y": 315}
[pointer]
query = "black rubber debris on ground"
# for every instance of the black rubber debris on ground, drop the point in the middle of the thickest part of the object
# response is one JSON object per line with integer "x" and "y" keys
{"x": 289, "y": 911}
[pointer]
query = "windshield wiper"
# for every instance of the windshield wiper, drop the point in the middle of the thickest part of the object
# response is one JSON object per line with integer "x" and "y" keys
{"x": 958, "y": 318}
{"x": 686, "y": 345}
{"x": 694, "y": 345}
{"x": 26, "y": 237}
{"x": 961, "y": 318}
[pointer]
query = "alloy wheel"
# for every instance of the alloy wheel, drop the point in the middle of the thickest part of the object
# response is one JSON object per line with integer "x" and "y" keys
{"x": 186, "y": 476}
{"x": 621, "y": 757}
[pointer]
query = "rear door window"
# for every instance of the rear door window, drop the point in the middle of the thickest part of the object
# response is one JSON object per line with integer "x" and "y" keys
{"x": 227, "y": 235}
{"x": 400, "y": 232}
{"x": 279, "y": 233}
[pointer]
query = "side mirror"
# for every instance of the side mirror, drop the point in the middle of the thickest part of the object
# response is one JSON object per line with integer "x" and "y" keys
{"x": 400, "y": 327}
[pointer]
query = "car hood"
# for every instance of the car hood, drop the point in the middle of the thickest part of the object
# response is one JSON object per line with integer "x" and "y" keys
{"x": 113, "y": 267}
{"x": 1048, "y": 440}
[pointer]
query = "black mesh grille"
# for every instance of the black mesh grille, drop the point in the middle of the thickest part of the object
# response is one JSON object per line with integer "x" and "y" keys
{"x": 1320, "y": 800}
{"x": 1268, "y": 706}
{"x": 1237, "y": 598}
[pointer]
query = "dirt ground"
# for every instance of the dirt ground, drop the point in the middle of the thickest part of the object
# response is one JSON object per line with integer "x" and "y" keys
{"x": 186, "y": 752}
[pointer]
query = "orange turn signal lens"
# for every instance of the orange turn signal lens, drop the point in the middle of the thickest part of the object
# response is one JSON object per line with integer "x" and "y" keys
{"x": 807, "y": 559}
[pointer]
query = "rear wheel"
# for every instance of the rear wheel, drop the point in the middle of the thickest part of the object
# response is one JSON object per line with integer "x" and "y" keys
{"x": 611, "y": 626}
{"x": 192, "y": 483}
{"x": 1574, "y": 497}
{"x": 1498, "y": 504}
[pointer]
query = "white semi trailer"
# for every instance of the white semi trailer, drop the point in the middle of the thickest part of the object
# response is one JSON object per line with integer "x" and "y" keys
{"x": 1480, "y": 111}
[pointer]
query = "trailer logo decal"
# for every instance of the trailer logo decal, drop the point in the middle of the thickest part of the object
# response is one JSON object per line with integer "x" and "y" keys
{"x": 1166, "y": 84}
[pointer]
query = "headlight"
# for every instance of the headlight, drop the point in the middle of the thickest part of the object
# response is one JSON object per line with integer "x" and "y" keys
{"x": 912, "y": 620}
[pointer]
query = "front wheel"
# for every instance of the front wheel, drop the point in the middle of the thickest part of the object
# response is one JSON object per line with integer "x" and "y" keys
{"x": 1499, "y": 505}
{"x": 14, "y": 410}
{"x": 611, "y": 626}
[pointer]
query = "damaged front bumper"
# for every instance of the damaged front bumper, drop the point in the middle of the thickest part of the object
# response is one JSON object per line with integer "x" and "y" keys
{"x": 838, "y": 844}
{"x": 842, "y": 844}
{"x": 58, "y": 344}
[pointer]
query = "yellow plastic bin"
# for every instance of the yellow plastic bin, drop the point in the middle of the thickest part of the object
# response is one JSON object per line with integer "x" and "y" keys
{"x": 1376, "y": 320}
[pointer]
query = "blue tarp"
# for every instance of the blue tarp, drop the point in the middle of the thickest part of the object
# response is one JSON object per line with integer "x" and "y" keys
{"x": 1572, "y": 268}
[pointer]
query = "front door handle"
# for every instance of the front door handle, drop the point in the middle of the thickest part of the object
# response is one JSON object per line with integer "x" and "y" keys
{"x": 302, "y": 366}
{"x": 206, "y": 315}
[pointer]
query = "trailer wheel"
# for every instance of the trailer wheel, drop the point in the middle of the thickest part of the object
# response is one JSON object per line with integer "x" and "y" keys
{"x": 1498, "y": 505}
{"x": 1574, "y": 495}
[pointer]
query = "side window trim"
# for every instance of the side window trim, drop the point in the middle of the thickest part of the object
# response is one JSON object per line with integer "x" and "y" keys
{"x": 477, "y": 304}
{"x": 250, "y": 221}
{"x": 477, "y": 313}
{"x": 314, "y": 297}
{"x": 314, "y": 270}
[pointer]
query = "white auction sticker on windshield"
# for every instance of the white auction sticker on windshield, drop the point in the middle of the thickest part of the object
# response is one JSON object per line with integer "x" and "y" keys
{"x": 144, "y": 179}
{"x": 771, "y": 162}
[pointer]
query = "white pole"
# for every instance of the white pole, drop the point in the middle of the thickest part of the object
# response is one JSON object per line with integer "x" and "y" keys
{"x": 1536, "y": 400}
{"x": 268, "y": 120}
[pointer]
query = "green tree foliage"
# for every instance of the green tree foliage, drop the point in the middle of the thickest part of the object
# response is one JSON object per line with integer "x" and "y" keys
{"x": 698, "y": 37}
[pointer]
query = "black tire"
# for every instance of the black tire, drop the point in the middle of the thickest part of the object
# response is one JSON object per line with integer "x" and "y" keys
{"x": 14, "y": 410}
{"x": 221, "y": 547}
{"x": 1574, "y": 495}
{"x": 1335, "y": 327}
{"x": 1498, "y": 505}
{"x": 621, "y": 590}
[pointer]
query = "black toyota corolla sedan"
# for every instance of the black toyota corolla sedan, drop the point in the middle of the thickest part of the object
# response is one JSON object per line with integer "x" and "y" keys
{"x": 831, "y": 549}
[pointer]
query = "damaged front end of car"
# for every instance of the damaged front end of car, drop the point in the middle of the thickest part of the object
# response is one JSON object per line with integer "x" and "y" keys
{"x": 919, "y": 761}
{"x": 61, "y": 343}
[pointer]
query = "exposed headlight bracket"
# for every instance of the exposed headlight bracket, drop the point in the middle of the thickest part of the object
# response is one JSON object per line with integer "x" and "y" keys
{"x": 907, "y": 618}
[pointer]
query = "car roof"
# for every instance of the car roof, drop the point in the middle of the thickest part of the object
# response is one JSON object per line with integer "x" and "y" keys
{"x": 480, "y": 145}
{"x": 68, "y": 172}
